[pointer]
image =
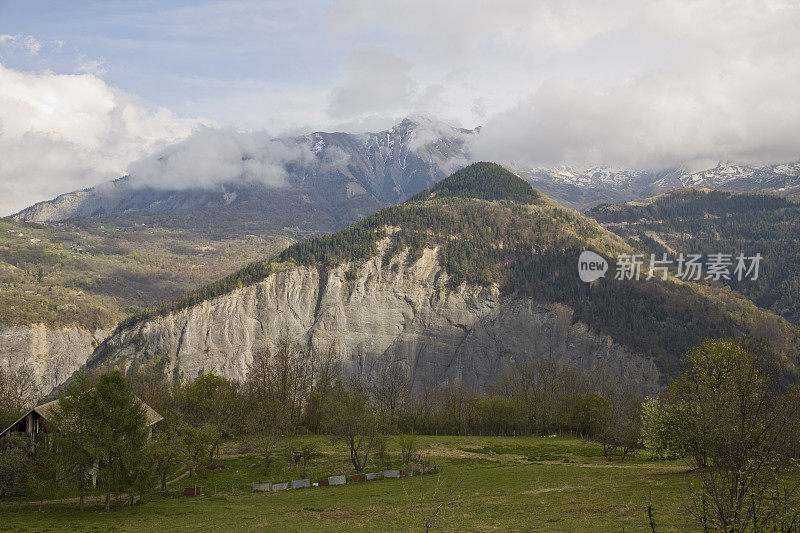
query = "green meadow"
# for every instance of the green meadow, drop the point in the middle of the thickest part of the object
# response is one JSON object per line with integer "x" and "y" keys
{"x": 483, "y": 484}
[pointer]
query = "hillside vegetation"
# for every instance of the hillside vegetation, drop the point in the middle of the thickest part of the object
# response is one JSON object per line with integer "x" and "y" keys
{"x": 91, "y": 273}
{"x": 491, "y": 228}
{"x": 708, "y": 221}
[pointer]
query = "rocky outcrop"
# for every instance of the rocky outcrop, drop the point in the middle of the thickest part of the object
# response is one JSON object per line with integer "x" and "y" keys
{"x": 53, "y": 354}
{"x": 390, "y": 314}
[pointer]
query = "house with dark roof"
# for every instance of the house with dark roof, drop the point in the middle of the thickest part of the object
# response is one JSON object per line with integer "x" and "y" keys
{"x": 35, "y": 423}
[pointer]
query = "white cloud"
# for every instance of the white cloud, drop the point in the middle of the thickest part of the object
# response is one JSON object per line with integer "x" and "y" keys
{"x": 376, "y": 79}
{"x": 65, "y": 132}
{"x": 727, "y": 91}
{"x": 640, "y": 83}
{"x": 644, "y": 83}
{"x": 212, "y": 157}
{"x": 26, "y": 43}
{"x": 96, "y": 67}
{"x": 458, "y": 28}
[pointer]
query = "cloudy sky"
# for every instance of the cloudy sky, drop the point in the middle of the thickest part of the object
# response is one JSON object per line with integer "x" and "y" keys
{"x": 89, "y": 90}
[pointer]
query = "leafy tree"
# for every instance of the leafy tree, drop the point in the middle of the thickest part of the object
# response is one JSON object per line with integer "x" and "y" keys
{"x": 408, "y": 448}
{"x": 742, "y": 433}
{"x": 197, "y": 445}
{"x": 308, "y": 453}
{"x": 496, "y": 415}
{"x": 666, "y": 429}
{"x": 15, "y": 464}
{"x": 47, "y": 478}
{"x": 213, "y": 400}
{"x": 165, "y": 452}
{"x": 101, "y": 429}
{"x": 588, "y": 415}
{"x": 75, "y": 438}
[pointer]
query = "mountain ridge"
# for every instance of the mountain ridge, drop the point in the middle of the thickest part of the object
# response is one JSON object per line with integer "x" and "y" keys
{"x": 702, "y": 220}
{"x": 344, "y": 175}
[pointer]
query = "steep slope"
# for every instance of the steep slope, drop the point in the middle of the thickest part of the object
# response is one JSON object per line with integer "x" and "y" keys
{"x": 707, "y": 221}
{"x": 469, "y": 277}
{"x": 51, "y": 353}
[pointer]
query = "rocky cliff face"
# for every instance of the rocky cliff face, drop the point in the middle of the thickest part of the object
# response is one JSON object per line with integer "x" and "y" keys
{"x": 53, "y": 354}
{"x": 390, "y": 314}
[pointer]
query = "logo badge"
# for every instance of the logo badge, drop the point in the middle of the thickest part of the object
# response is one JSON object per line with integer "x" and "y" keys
{"x": 591, "y": 266}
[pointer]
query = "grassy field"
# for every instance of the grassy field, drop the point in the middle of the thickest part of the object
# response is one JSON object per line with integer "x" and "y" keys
{"x": 498, "y": 484}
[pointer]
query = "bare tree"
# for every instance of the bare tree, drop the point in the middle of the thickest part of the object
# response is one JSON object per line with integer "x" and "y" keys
{"x": 391, "y": 395}
{"x": 19, "y": 388}
{"x": 459, "y": 405}
{"x": 423, "y": 404}
{"x": 622, "y": 425}
{"x": 544, "y": 390}
{"x": 429, "y": 506}
{"x": 280, "y": 378}
{"x": 325, "y": 372}
{"x": 352, "y": 419}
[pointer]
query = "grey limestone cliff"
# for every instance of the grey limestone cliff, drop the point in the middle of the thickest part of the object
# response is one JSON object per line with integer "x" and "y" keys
{"x": 390, "y": 314}
{"x": 53, "y": 354}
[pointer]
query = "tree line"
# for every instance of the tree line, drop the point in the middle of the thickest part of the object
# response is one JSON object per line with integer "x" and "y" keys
{"x": 100, "y": 439}
{"x": 725, "y": 414}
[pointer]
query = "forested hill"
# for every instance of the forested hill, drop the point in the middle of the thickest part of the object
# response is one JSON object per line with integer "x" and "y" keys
{"x": 709, "y": 221}
{"x": 490, "y": 227}
{"x": 486, "y": 181}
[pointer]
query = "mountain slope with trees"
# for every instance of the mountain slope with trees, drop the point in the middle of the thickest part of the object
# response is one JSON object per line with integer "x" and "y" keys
{"x": 705, "y": 221}
{"x": 488, "y": 228}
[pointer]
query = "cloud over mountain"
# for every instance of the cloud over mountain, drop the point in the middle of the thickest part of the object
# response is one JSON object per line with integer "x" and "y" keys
{"x": 626, "y": 83}
{"x": 727, "y": 91}
{"x": 63, "y": 132}
{"x": 211, "y": 157}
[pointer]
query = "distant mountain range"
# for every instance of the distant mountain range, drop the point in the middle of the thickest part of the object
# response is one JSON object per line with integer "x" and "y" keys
{"x": 583, "y": 188}
{"x": 349, "y": 176}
